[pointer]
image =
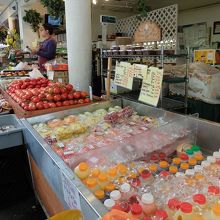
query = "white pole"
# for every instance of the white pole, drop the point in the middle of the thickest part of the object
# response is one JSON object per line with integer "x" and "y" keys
{"x": 79, "y": 42}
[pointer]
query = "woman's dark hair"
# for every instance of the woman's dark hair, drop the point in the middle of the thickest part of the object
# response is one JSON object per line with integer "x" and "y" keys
{"x": 48, "y": 28}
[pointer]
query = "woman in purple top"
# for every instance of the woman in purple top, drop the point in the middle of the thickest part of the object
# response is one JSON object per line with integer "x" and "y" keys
{"x": 47, "y": 49}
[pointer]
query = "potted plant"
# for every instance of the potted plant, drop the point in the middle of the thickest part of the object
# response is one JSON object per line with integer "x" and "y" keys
{"x": 33, "y": 18}
{"x": 55, "y": 8}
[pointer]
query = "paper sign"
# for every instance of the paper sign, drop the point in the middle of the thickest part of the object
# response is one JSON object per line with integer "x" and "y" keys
{"x": 50, "y": 75}
{"x": 140, "y": 71}
{"x": 71, "y": 194}
{"x": 124, "y": 73}
{"x": 151, "y": 86}
{"x": 60, "y": 80}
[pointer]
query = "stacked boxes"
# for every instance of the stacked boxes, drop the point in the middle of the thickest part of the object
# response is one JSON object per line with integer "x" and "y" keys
{"x": 61, "y": 76}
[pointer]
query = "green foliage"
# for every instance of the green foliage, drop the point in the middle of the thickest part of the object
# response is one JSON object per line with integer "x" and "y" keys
{"x": 33, "y": 18}
{"x": 3, "y": 33}
{"x": 143, "y": 9}
{"x": 55, "y": 7}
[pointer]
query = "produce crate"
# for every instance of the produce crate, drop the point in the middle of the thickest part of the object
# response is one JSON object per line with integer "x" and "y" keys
{"x": 12, "y": 137}
{"x": 21, "y": 113}
{"x": 61, "y": 76}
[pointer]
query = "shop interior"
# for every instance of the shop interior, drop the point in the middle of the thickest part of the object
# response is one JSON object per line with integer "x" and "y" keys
{"x": 105, "y": 105}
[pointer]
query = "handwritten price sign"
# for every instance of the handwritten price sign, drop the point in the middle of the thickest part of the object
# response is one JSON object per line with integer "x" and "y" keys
{"x": 124, "y": 75}
{"x": 151, "y": 86}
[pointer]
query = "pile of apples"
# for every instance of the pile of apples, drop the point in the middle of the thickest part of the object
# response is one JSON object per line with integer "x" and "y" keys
{"x": 40, "y": 93}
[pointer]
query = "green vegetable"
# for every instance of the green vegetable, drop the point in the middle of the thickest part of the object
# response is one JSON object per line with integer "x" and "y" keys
{"x": 143, "y": 9}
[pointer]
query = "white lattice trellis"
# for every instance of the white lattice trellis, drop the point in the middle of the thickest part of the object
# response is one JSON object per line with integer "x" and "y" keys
{"x": 165, "y": 17}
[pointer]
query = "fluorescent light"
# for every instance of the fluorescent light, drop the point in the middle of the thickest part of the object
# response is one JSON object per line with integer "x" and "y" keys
{"x": 94, "y": 2}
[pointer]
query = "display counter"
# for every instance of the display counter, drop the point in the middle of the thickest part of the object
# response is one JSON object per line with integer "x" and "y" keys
{"x": 69, "y": 192}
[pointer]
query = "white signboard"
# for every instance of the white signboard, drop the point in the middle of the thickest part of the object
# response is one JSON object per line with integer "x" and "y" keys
{"x": 151, "y": 86}
{"x": 124, "y": 75}
{"x": 71, "y": 194}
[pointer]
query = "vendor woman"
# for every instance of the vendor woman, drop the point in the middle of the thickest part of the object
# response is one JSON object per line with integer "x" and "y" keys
{"x": 47, "y": 49}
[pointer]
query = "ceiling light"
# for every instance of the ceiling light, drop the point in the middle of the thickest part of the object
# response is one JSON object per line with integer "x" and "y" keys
{"x": 94, "y": 2}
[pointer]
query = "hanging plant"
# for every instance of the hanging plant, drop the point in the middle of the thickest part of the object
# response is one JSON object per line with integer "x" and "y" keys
{"x": 33, "y": 18}
{"x": 142, "y": 9}
{"x": 55, "y": 8}
{"x": 3, "y": 33}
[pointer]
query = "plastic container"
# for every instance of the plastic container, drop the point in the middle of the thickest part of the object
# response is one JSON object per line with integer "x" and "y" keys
{"x": 185, "y": 212}
{"x": 198, "y": 217}
{"x": 146, "y": 177}
{"x": 184, "y": 167}
{"x": 135, "y": 182}
{"x": 213, "y": 194}
{"x": 92, "y": 184}
{"x": 189, "y": 152}
{"x": 153, "y": 169}
{"x": 173, "y": 169}
{"x": 199, "y": 157}
{"x": 82, "y": 170}
{"x": 115, "y": 195}
{"x": 103, "y": 180}
{"x": 211, "y": 159}
{"x": 217, "y": 157}
{"x": 109, "y": 188}
{"x": 199, "y": 204}
{"x": 136, "y": 211}
{"x": 95, "y": 172}
{"x": 161, "y": 214}
{"x": 163, "y": 165}
{"x": 176, "y": 162}
{"x": 126, "y": 191}
{"x": 154, "y": 158}
{"x": 109, "y": 203}
{"x": 196, "y": 149}
{"x": 112, "y": 173}
{"x": 115, "y": 214}
{"x": 184, "y": 158}
{"x": 123, "y": 206}
{"x": 162, "y": 156}
{"x": 214, "y": 214}
{"x": 172, "y": 206}
{"x": 100, "y": 194}
{"x": 192, "y": 162}
{"x": 122, "y": 169}
{"x": 12, "y": 137}
{"x": 148, "y": 204}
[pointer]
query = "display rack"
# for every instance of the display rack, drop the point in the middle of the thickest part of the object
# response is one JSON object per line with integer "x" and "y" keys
{"x": 157, "y": 60}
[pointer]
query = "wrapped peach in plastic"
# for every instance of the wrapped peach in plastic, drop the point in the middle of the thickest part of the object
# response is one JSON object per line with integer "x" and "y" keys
{"x": 115, "y": 214}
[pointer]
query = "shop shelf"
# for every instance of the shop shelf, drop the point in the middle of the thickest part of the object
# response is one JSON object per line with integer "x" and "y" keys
{"x": 168, "y": 79}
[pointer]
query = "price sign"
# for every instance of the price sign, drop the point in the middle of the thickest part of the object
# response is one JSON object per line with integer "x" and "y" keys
{"x": 50, "y": 75}
{"x": 71, "y": 194}
{"x": 151, "y": 86}
{"x": 124, "y": 75}
{"x": 140, "y": 71}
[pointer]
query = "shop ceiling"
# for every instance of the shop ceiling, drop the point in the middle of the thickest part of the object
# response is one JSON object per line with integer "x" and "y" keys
{"x": 131, "y": 4}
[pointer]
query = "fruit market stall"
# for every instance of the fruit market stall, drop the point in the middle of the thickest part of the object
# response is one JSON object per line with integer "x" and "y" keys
{"x": 30, "y": 97}
{"x": 90, "y": 156}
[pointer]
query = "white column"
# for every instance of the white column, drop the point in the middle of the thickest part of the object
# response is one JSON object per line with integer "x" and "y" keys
{"x": 79, "y": 41}
{"x": 27, "y": 35}
{"x": 11, "y": 23}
